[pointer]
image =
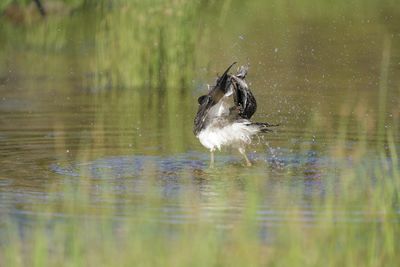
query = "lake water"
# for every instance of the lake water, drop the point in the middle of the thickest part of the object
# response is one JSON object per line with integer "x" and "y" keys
{"x": 320, "y": 76}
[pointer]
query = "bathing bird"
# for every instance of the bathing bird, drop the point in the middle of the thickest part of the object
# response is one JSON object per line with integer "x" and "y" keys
{"x": 223, "y": 116}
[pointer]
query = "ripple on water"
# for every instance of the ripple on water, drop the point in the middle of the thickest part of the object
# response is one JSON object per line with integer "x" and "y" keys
{"x": 170, "y": 166}
{"x": 129, "y": 175}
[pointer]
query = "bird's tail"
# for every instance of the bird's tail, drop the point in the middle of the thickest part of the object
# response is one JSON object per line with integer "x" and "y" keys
{"x": 264, "y": 126}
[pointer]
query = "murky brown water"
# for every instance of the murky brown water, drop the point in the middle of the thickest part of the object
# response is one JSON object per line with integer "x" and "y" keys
{"x": 310, "y": 75}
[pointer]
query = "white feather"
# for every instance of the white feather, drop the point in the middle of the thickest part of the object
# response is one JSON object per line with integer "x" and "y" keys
{"x": 222, "y": 132}
{"x": 241, "y": 82}
{"x": 236, "y": 134}
{"x": 222, "y": 107}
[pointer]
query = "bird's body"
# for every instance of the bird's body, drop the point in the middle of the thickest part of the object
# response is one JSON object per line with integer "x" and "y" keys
{"x": 223, "y": 117}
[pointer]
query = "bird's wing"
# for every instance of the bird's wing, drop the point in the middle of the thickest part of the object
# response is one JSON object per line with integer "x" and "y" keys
{"x": 242, "y": 72}
{"x": 244, "y": 98}
{"x": 206, "y": 102}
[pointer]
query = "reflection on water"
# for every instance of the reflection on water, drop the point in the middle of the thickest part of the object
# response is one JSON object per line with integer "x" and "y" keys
{"x": 126, "y": 180}
{"x": 71, "y": 107}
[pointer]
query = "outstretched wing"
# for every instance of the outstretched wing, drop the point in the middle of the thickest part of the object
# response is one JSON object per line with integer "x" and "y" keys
{"x": 206, "y": 102}
{"x": 244, "y": 98}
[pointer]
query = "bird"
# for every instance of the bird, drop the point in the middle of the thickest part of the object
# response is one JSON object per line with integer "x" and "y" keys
{"x": 223, "y": 116}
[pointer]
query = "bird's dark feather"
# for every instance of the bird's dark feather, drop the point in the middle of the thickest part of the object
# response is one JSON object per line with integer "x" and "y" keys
{"x": 243, "y": 97}
{"x": 201, "y": 99}
{"x": 264, "y": 126}
{"x": 245, "y": 104}
{"x": 207, "y": 101}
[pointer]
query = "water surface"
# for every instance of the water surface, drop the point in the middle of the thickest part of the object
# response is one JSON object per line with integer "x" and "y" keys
{"x": 64, "y": 119}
